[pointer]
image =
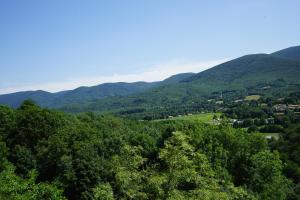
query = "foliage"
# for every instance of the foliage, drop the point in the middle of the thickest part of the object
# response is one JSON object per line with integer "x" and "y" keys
{"x": 266, "y": 177}
{"x": 103, "y": 192}
{"x": 15, "y": 188}
{"x": 51, "y": 155}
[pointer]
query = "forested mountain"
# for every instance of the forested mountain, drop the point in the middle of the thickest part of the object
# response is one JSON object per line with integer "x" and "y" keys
{"x": 86, "y": 94}
{"x": 83, "y": 94}
{"x": 77, "y": 95}
{"x": 51, "y": 155}
{"x": 257, "y": 73}
{"x": 290, "y": 53}
{"x": 274, "y": 74}
{"x": 176, "y": 78}
{"x": 249, "y": 70}
{"x": 15, "y": 99}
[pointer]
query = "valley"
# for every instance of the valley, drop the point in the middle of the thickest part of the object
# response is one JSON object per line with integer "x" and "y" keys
{"x": 230, "y": 132}
{"x": 149, "y": 100}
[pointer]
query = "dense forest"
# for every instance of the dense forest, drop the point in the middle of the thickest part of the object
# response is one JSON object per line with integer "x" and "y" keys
{"x": 47, "y": 154}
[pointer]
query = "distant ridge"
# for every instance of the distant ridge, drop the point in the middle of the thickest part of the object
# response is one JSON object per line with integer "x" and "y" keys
{"x": 279, "y": 71}
{"x": 85, "y": 94}
{"x": 250, "y": 69}
{"x": 233, "y": 79}
{"x": 289, "y": 53}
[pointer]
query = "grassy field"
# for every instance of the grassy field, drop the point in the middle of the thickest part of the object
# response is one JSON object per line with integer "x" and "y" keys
{"x": 252, "y": 97}
{"x": 203, "y": 117}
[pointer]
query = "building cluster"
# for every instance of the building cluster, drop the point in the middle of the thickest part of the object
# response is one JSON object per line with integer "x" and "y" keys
{"x": 285, "y": 107}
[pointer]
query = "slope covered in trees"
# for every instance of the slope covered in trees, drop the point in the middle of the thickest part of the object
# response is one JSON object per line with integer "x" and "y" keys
{"x": 289, "y": 53}
{"x": 274, "y": 74}
{"x": 254, "y": 74}
{"x": 47, "y": 154}
{"x": 264, "y": 74}
{"x": 86, "y": 94}
{"x": 78, "y": 95}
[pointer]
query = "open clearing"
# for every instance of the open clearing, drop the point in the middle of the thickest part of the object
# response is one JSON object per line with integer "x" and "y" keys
{"x": 252, "y": 97}
{"x": 203, "y": 117}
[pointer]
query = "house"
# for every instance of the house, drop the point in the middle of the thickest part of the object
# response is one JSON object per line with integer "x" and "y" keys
{"x": 284, "y": 107}
{"x": 240, "y": 121}
{"x": 294, "y": 107}
{"x": 270, "y": 120}
{"x": 233, "y": 120}
{"x": 266, "y": 87}
{"x": 280, "y": 107}
{"x": 238, "y": 100}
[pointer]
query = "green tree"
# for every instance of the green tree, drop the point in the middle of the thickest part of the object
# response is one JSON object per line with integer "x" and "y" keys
{"x": 15, "y": 188}
{"x": 33, "y": 125}
{"x": 23, "y": 158}
{"x": 129, "y": 178}
{"x": 266, "y": 176}
{"x": 3, "y": 155}
{"x": 103, "y": 192}
{"x": 187, "y": 174}
{"x": 7, "y": 120}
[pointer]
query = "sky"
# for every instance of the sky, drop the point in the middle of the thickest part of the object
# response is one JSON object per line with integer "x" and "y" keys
{"x": 56, "y": 45}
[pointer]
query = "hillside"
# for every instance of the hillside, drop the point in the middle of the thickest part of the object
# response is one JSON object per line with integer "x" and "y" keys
{"x": 177, "y": 78}
{"x": 78, "y": 95}
{"x": 235, "y": 78}
{"x": 278, "y": 72}
{"x": 15, "y": 99}
{"x": 289, "y": 53}
{"x": 249, "y": 70}
{"x": 86, "y": 94}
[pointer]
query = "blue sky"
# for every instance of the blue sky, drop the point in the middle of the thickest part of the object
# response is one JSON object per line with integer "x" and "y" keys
{"x": 62, "y": 44}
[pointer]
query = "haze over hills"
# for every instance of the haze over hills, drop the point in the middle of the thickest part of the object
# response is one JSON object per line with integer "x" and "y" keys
{"x": 280, "y": 71}
{"x": 234, "y": 79}
{"x": 85, "y": 94}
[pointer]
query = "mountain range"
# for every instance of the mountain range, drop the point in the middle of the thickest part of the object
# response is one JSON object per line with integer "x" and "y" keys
{"x": 278, "y": 71}
{"x": 86, "y": 94}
